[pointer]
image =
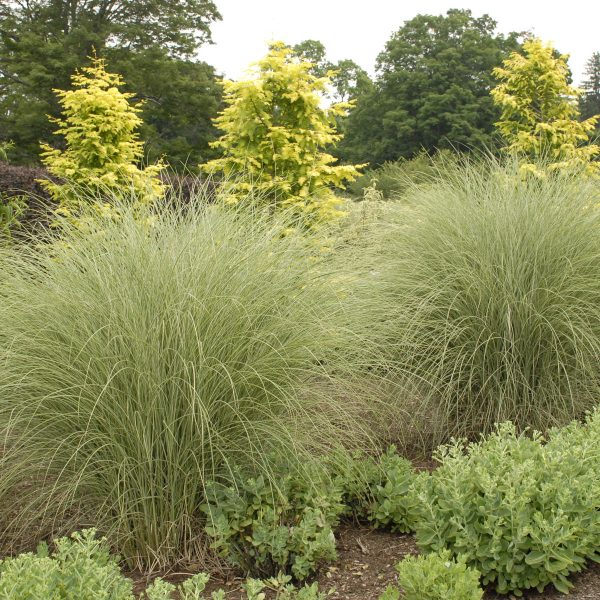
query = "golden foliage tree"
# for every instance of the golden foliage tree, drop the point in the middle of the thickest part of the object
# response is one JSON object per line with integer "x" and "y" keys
{"x": 102, "y": 150}
{"x": 275, "y": 132}
{"x": 540, "y": 114}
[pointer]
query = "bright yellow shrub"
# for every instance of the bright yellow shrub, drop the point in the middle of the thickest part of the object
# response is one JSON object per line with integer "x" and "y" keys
{"x": 275, "y": 131}
{"x": 102, "y": 150}
{"x": 540, "y": 114}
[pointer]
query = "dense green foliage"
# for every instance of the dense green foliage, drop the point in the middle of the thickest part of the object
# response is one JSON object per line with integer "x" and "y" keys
{"x": 435, "y": 577}
{"x": 377, "y": 490}
{"x": 267, "y": 528}
{"x": 136, "y": 365}
{"x": 180, "y": 98}
{"x": 540, "y": 117}
{"x": 393, "y": 179}
{"x": 274, "y": 136}
{"x": 42, "y": 43}
{"x": 103, "y": 152}
{"x": 522, "y": 512}
{"x": 589, "y": 102}
{"x": 494, "y": 284}
{"x": 81, "y": 568}
{"x": 432, "y": 89}
{"x": 12, "y": 206}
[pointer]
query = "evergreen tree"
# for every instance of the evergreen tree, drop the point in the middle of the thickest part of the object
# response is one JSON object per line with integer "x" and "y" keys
{"x": 540, "y": 115}
{"x": 274, "y": 134}
{"x": 102, "y": 152}
{"x": 589, "y": 102}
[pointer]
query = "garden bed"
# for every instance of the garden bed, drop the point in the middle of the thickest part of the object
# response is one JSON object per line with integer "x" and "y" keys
{"x": 366, "y": 565}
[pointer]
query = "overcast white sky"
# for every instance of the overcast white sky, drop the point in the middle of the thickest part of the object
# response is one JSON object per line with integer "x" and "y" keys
{"x": 359, "y": 29}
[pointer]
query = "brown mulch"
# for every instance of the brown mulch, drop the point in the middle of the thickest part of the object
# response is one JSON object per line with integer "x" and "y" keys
{"x": 366, "y": 565}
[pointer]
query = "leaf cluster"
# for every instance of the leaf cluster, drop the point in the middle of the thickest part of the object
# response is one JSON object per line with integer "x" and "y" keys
{"x": 521, "y": 511}
{"x": 435, "y": 576}
{"x": 266, "y": 529}
{"x": 80, "y": 568}
{"x": 377, "y": 489}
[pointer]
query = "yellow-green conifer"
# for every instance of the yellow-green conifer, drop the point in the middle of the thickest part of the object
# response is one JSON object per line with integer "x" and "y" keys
{"x": 275, "y": 130}
{"x": 102, "y": 152}
{"x": 540, "y": 114}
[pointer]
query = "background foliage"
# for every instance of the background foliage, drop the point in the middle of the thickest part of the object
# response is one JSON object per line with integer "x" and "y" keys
{"x": 431, "y": 91}
{"x": 43, "y": 42}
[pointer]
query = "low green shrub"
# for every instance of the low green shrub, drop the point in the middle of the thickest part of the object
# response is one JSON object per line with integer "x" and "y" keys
{"x": 283, "y": 589}
{"x": 266, "y": 528}
{"x": 524, "y": 513}
{"x": 377, "y": 489}
{"x": 81, "y": 568}
{"x": 494, "y": 288}
{"x": 193, "y": 589}
{"x": 144, "y": 359}
{"x": 435, "y": 577}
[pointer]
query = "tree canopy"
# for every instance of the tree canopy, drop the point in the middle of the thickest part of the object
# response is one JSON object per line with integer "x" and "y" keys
{"x": 43, "y": 42}
{"x": 274, "y": 135}
{"x": 540, "y": 117}
{"x": 432, "y": 89}
{"x": 348, "y": 79}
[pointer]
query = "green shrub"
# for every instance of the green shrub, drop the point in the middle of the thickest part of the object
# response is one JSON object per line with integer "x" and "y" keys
{"x": 378, "y": 489}
{"x": 394, "y": 179}
{"x": 81, "y": 568}
{"x": 193, "y": 589}
{"x": 435, "y": 577}
{"x": 523, "y": 513}
{"x": 267, "y": 529}
{"x": 494, "y": 286}
{"x": 138, "y": 363}
{"x": 12, "y": 209}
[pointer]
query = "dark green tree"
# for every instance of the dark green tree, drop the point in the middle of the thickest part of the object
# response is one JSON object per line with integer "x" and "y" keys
{"x": 313, "y": 51}
{"x": 432, "y": 89}
{"x": 589, "y": 103}
{"x": 180, "y": 99}
{"x": 42, "y": 42}
{"x": 349, "y": 79}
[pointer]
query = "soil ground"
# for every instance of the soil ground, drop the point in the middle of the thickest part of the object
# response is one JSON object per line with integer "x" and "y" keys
{"x": 366, "y": 565}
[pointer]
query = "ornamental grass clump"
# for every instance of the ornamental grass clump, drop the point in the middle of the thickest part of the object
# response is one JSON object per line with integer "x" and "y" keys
{"x": 521, "y": 511}
{"x": 494, "y": 283}
{"x": 139, "y": 362}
